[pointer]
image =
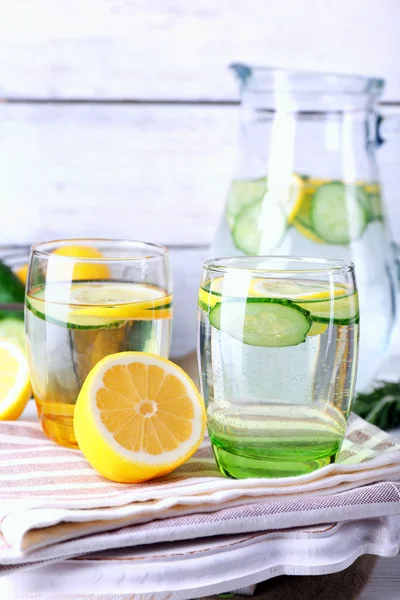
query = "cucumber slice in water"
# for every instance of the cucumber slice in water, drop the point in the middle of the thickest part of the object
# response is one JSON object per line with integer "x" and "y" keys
{"x": 63, "y": 318}
{"x": 98, "y": 305}
{"x": 258, "y": 229}
{"x": 263, "y": 322}
{"x": 244, "y": 192}
{"x": 338, "y": 213}
{"x": 342, "y": 310}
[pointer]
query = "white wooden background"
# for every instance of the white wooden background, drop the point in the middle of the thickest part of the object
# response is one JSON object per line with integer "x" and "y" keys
{"x": 119, "y": 116}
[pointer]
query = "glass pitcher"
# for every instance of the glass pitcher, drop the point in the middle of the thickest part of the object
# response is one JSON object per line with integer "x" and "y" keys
{"x": 306, "y": 184}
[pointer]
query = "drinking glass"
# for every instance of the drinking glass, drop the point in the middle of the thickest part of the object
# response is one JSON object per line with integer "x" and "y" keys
{"x": 277, "y": 348}
{"x": 87, "y": 299}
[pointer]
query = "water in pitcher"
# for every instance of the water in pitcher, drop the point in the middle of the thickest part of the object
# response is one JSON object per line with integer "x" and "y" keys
{"x": 320, "y": 217}
{"x": 306, "y": 183}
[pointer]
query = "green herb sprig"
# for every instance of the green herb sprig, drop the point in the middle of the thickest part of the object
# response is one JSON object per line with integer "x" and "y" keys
{"x": 381, "y": 407}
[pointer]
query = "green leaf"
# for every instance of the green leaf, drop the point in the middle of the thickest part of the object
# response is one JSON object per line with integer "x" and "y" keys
{"x": 381, "y": 407}
{"x": 11, "y": 291}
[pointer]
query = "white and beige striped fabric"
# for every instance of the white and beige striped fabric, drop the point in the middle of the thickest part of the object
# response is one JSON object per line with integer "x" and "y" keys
{"x": 54, "y": 505}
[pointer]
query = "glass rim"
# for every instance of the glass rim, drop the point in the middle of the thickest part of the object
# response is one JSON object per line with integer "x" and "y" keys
{"x": 265, "y": 78}
{"x": 46, "y": 249}
{"x": 226, "y": 264}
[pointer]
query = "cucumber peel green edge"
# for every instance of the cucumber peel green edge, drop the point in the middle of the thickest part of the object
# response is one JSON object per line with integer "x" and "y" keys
{"x": 316, "y": 221}
{"x": 311, "y": 306}
{"x": 308, "y": 308}
{"x": 69, "y": 325}
{"x": 307, "y": 320}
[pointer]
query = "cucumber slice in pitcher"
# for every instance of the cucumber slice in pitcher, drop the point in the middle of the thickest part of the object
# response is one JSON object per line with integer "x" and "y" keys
{"x": 376, "y": 212}
{"x": 342, "y": 310}
{"x": 338, "y": 213}
{"x": 259, "y": 229}
{"x": 244, "y": 192}
{"x": 266, "y": 322}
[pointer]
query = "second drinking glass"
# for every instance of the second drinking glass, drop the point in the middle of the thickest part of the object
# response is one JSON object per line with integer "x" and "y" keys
{"x": 278, "y": 346}
{"x": 87, "y": 299}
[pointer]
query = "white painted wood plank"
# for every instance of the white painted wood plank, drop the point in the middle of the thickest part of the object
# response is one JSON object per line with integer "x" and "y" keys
{"x": 186, "y": 268}
{"x": 153, "y": 173}
{"x": 158, "y": 173}
{"x": 178, "y": 49}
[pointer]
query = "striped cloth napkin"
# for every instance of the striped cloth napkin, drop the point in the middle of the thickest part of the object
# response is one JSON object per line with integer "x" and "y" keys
{"x": 53, "y": 504}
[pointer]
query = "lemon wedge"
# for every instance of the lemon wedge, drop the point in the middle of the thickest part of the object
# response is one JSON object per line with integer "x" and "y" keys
{"x": 15, "y": 387}
{"x": 138, "y": 416}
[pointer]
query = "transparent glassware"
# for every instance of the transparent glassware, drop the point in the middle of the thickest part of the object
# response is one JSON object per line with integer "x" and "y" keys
{"x": 277, "y": 351}
{"x": 110, "y": 296}
{"x": 306, "y": 183}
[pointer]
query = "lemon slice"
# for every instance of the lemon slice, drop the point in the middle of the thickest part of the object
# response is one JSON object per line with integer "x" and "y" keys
{"x": 294, "y": 198}
{"x": 98, "y": 304}
{"x": 302, "y": 219}
{"x": 138, "y": 416}
{"x": 306, "y": 291}
{"x": 259, "y": 287}
{"x": 307, "y": 232}
{"x": 15, "y": 388}
{"x": 317, "y": 329}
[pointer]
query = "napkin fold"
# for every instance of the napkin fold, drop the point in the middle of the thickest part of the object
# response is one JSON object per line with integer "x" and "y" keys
{"x": 198, "y": 567}
{"x": 52, "y": 500}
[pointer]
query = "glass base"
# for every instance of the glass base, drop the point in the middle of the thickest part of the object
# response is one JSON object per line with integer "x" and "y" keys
{"x": 61, "y": 432}
{"x": 57, "y": 421}
{"x": 241, "y": 467}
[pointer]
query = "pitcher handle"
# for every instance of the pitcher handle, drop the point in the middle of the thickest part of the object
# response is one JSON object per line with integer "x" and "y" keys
{"x": 385, "y": 128}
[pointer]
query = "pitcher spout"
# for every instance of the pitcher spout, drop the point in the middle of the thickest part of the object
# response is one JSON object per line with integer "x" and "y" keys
{"x": 242, "y": 72}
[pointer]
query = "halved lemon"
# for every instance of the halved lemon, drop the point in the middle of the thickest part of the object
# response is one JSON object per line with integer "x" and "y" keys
{"x": 137, "y": 417}
{"x": 15, "y": 386}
